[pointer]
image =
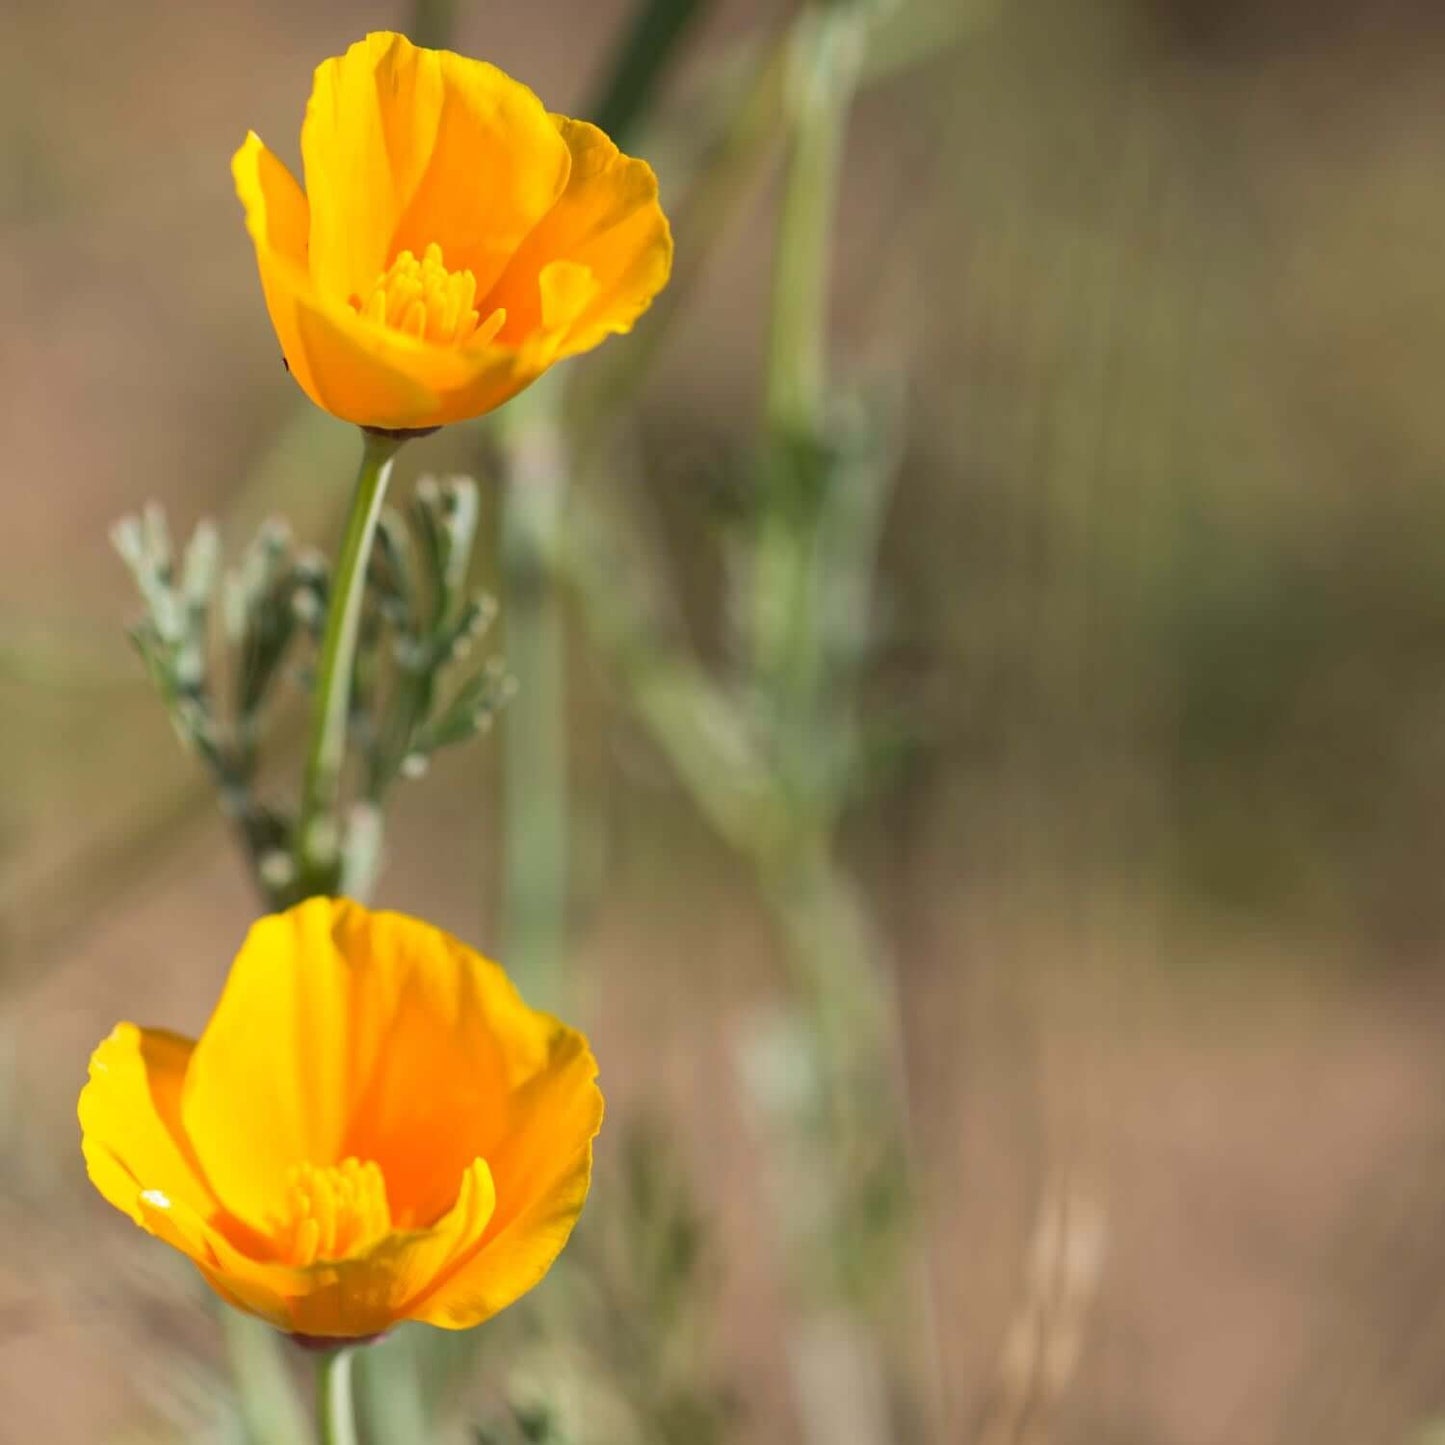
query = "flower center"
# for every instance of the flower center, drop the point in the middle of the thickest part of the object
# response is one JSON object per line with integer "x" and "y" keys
{"x": 333, "y": 1212}
{"x": 423, "y": 299}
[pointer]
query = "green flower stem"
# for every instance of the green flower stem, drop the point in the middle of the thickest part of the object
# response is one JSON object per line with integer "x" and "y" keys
{"x": 318, "y": 828}
{"x": 335, "y": 1421}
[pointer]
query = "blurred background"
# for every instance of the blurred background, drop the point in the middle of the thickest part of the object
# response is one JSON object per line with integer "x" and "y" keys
{"x": 978, "y": 769}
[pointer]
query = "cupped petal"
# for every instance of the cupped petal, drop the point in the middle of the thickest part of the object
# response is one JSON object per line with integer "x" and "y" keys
{"x": 243, "y": 1281}
{"x": 542, "y": 1168}
{"x": 346, "y": 1033}
{"x": 404, "y": 146}
{"x": 139, "y": 1159}
{"x": 351, "y": 367}
{"x": 277, "y": 215}
{"x": 347, "y": 1298}
{"x": 595, "y": 261}
{"x": 131, "y": 1134}
{"x": 340, "y": 1299}
{"x": 255, "y": 1285}
{"x": 138, "y": 1156}
{"x": 496, "y": 374}
{"x": 353, "y": 1298}
{"x": 362, "y": 372}
{"x": 347, "y": 366}
{"x": 589, "y": 268}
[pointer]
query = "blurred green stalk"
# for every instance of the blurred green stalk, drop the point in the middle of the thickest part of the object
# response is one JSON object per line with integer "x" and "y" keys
{"x": 392, "y": 1407}
{"x": 534, "y": 780}
{"x": 433, "y": 23}
{"x": 771, "y": 767}
{"x": 822, "y": 76}
{"x": 638, "y": 64}
{"x": 846, "y": 995}
{"x": 820, "y": 81}
{"x": 537, "y": 459}
{"x": 270, "y": 1412}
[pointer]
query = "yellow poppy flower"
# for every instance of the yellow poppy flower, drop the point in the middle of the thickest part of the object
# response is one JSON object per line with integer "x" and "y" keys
{"x": 453, "y": 240}
{"x": 373, "y": 1127}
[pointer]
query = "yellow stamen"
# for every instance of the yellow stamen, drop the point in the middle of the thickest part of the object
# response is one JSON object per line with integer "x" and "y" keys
{"x": 423, "y": 299}
{"x": 333, "y": 1212}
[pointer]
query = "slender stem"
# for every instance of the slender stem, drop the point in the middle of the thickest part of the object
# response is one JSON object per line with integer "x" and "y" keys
{"x": 317, "y": 828}
{"x": 335, "y": 1420}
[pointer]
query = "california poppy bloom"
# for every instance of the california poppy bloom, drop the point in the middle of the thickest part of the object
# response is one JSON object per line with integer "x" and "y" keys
{"x": 453, "y": 240}
{"x": 373, "y": 1127}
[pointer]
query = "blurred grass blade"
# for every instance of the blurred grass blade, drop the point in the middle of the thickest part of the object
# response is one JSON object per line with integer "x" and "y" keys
{"x": 270, "y": 1408}
{"x": 433, "y": 23}
{"x": 389, "y": 1395}
{"x": 637, "y": 65}
{"x": 535, "y": 783}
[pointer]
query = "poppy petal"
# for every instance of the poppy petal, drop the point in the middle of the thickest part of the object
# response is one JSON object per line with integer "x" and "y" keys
{"x": 404, "y": 147}
{"x": 349, "y": 367}
{"x": 130, "y": 1121}
{"x": 542, "y": 1171}
{"x": 384, "y": 1039}
{"x": 607, "y": 223}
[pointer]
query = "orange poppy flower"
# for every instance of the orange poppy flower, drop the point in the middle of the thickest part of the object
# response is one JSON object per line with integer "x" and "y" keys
{"x": 453, "y": 240}
{"x": 373, "y": 1127}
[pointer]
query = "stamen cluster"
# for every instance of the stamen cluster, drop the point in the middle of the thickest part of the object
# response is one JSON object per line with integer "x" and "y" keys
{"x": 424, "y": 299}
